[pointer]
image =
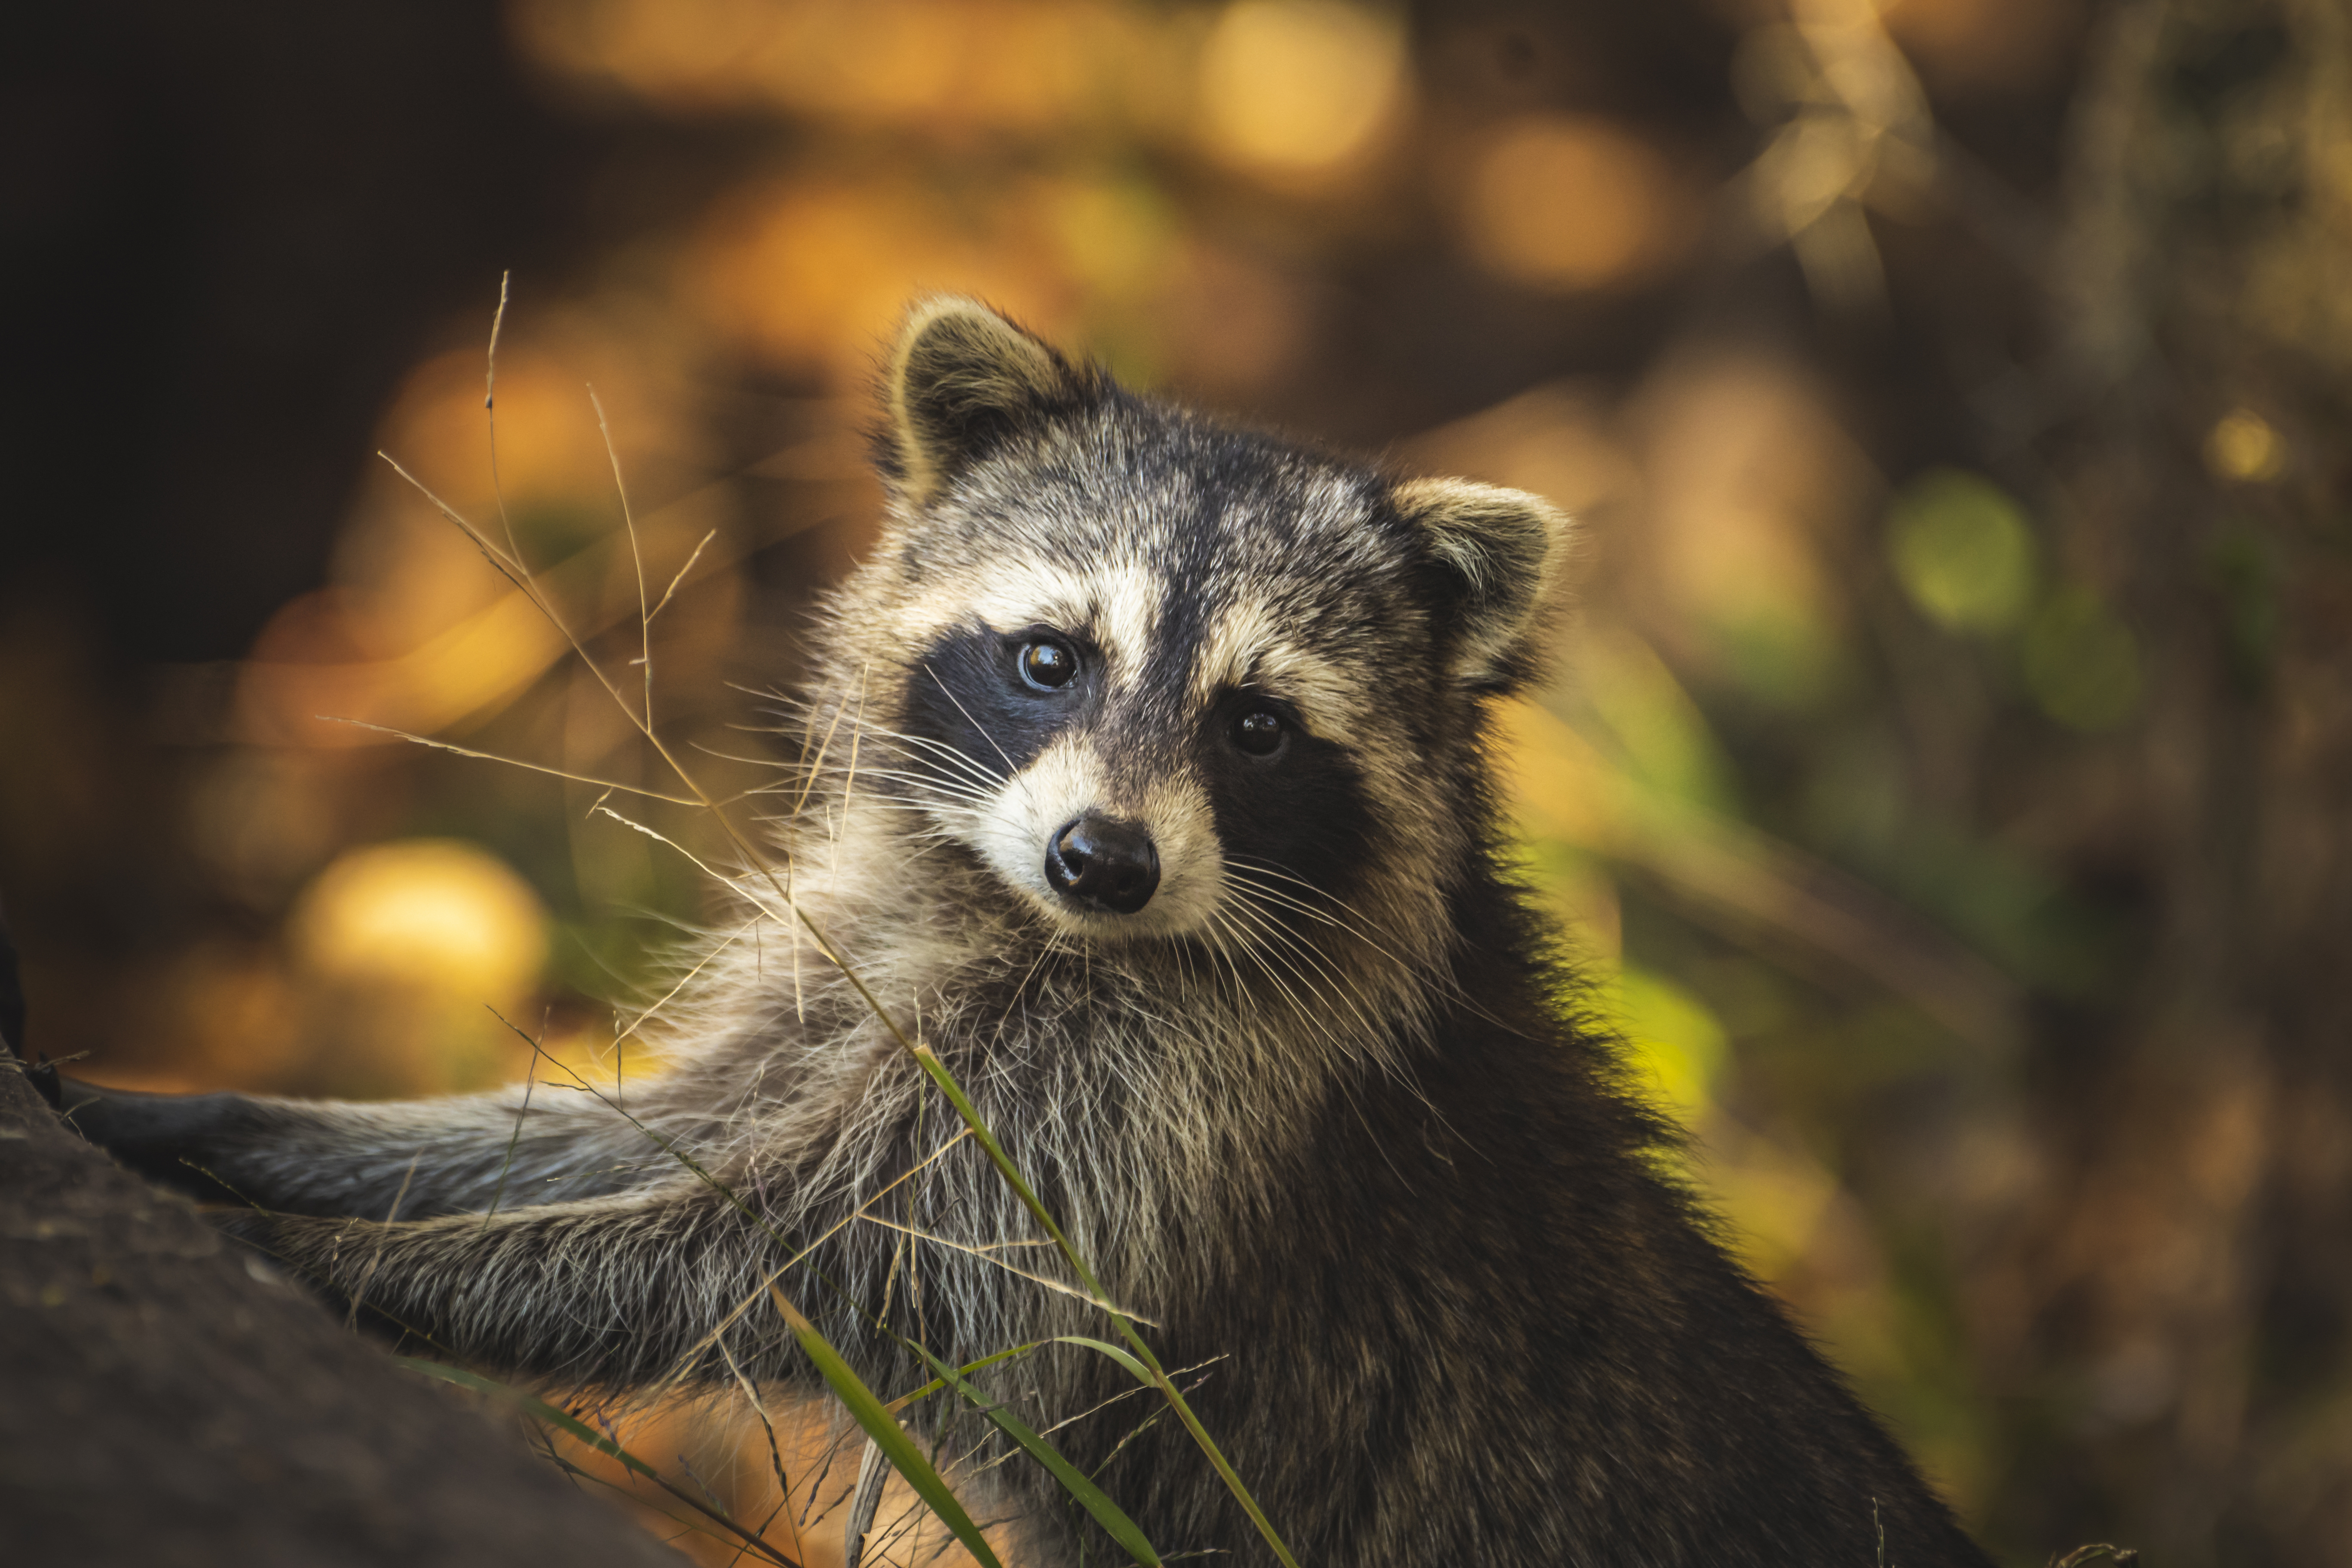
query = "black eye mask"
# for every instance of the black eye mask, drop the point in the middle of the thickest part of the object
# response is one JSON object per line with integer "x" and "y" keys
{"x": 996, "y": 700}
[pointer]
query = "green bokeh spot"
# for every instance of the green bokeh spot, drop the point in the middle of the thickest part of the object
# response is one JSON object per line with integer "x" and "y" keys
{"x": 2081, "y": 663}
{"x": 1962, "y": 550}
{"x": 1788, "y": 658}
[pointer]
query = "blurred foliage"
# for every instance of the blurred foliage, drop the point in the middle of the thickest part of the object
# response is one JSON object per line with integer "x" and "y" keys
{"x": 1946, "y": 781}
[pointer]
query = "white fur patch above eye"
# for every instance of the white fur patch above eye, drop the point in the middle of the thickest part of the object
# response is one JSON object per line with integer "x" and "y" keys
{"x": 1117, "y": 606}
{"x": 1249, "y": 647}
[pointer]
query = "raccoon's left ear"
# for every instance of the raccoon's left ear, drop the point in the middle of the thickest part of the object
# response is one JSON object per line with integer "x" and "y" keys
{"x": 961, "y": 379}
{"x": 1499, "y": 552}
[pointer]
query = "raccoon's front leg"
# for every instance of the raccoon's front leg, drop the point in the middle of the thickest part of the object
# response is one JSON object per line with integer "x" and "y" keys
{"x": 618, "y": 1292}
{"x": 339, "y": 1157}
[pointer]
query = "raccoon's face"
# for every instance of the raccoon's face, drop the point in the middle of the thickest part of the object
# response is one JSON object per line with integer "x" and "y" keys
{"x": 1126, "y": 700}
{"x": 1166, "y": 679}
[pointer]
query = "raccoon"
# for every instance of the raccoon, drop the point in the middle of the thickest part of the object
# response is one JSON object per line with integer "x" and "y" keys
{"x": 1148, "y": 785}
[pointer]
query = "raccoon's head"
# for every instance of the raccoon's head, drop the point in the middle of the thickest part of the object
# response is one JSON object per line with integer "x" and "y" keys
{"x": 1167, "y": 680}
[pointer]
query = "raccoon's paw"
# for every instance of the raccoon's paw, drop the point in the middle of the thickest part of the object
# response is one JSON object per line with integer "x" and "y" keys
{"x": 166, "y": 1138}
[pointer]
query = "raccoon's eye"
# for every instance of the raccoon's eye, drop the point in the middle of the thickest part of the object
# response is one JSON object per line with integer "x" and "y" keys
{"x": 1259, "y": 732}
{"x": 1047, "y": 665}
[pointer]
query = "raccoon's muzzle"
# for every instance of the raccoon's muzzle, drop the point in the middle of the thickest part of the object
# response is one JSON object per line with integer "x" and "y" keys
{"x": 1103, "y": 863}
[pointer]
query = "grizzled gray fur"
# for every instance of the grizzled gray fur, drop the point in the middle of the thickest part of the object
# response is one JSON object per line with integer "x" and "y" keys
{"x": 1171, "y": 830}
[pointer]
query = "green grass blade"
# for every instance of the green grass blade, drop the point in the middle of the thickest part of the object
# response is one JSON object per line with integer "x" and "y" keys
{"x": 936, "y": 1071}
{"x": 1107, "y": 1513}
{"x": 1153, "y": 1377}
{"x": 1140, "y": 1372}
{"x": 889, "y": 1436}
{"x": 938, "y": 1383}
{"x": 537, "y": 1408}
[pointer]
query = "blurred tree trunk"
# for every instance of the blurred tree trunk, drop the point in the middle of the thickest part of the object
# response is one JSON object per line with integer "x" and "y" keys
{"x": 2192, "y": 1243}
{"x": 165, "y": 1397}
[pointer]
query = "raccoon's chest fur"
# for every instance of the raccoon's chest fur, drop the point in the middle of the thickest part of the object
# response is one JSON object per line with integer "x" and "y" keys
{"x": 1155, "y": 1095}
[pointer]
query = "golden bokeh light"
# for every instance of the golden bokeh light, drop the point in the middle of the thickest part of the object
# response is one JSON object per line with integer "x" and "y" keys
{"x": 415, "y": 962}
{"x": 950, "y": 66}
{"x": 422, "y": 632}
{"x": 293, "y": 691}
{"x": 1557, "y": 440}
{"x": 2244, "y": 446}
{"x": 550, "y": 452}
{"x": 1975, "y": 45}
{"x": 1298, "y": 87}
{"x": 547, "y": 439}
{"x": 1749, "y": 477}
{"x": 681, "y": 54}
{"x": 815, "y": 273}
{"x": 422, "y": 914}
{"x": 1566, "y": 204}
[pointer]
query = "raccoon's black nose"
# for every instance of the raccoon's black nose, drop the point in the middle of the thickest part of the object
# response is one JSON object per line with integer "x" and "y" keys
{"x": 1104, "y": 863}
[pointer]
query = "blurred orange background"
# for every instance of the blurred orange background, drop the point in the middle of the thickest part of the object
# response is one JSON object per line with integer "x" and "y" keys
{"x": 1959, "y": 499}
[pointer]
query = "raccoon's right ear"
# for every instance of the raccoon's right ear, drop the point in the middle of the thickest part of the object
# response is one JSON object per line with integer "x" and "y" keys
{"x": 1499, "y": 552}
{"x": 961, "y": 378}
